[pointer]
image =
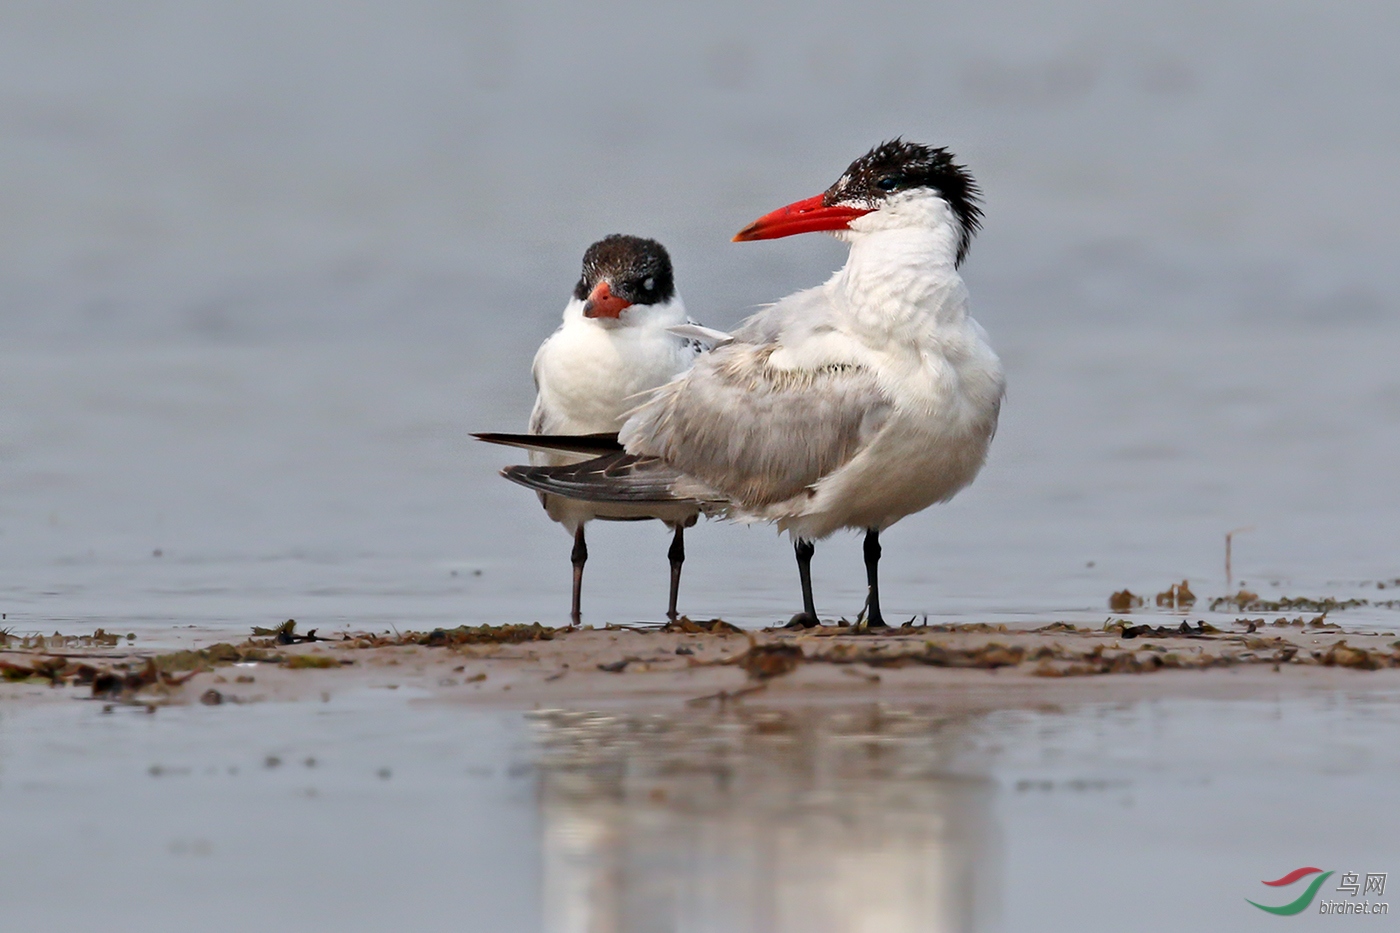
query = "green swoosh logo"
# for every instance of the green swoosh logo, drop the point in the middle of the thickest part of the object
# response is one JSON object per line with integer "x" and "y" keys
{"x": 1302, "y": 903}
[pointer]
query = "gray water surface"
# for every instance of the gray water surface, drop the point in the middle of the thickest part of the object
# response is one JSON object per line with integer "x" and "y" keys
{"x": 265, "y": 265}
{"x": 371, "y": 812}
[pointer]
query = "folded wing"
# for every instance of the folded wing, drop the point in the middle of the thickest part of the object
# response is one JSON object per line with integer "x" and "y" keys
{"x": 756, "y": 432}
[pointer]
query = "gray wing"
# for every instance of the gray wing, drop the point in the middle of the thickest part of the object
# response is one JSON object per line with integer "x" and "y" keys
{"x": 756, "y": 433}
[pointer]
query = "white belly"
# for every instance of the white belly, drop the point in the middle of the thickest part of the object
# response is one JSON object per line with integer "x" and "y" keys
{"x": 906, "y": 470}
{"x": 933, "y": 444}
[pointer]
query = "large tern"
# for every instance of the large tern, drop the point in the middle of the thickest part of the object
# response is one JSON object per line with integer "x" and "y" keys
{"x": 616, "y": 342}
{"x": 848, "y": 405}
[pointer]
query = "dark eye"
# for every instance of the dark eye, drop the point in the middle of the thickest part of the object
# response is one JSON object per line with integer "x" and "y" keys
{"x": 888, "y": 183}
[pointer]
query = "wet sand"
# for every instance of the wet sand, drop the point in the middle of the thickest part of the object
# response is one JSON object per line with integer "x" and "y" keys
{"x": 532, "y": 666}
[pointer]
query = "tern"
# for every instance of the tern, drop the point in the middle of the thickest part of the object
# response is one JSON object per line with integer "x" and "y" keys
{"x": 624, "y": 332}
{"x": 848, "y": 405}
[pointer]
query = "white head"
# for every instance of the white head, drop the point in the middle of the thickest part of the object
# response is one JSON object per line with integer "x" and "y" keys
{"x": 896, "y": 185}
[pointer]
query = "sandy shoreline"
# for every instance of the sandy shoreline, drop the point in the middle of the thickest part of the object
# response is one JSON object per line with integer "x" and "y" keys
{"x": 531, "y": 666}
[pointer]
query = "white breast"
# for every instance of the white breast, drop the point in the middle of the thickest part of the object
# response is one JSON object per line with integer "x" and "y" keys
{"x": 589, "y": 373}
{"x": 907, "y": 323}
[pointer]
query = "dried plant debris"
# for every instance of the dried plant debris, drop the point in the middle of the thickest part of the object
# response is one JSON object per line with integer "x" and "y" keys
{"x": 1317, "y": 622}
{"x": 59, "y": 672}
{"x": 35, "y": 642}
{"x": 126, "y": 678}
{"x": 286, "y": 633}
{"x": 1060, "y": 627}
{"x": 1177, "y": 596}
{"x": 770, "y": 660}
{"x": 950, "y": 627}
{"x": 206, "y": 658}
{"x": 690, "y": 626}
{"x": 1125, "y": 601}
{"x": 1343, "y": 655}
{"x": 55, "y": 671}
{"x": 126, "y": 685}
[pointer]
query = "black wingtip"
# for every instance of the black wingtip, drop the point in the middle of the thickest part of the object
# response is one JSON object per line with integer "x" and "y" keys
{"x": 569, "y": 443}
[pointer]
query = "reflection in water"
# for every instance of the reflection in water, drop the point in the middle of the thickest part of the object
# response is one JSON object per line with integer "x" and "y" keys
{"x": 763, "y": 820}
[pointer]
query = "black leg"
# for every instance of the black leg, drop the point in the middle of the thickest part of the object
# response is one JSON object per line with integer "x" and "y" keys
{"x": 808, "y": 617}
{"x": 677, "y": 557}
{"x": 873, "y": 618}
{"x": 579, "y": 557}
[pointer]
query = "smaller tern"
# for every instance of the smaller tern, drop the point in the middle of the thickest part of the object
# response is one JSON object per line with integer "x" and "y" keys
{"x": 625, "y": 332}
{"x": 848, "y": 405}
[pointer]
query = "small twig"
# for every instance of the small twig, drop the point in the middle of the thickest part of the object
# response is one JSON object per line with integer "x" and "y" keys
{"x": 724, "y": 696}
{"x": 871, "y": 678}
{"x": 1229, "y": 540}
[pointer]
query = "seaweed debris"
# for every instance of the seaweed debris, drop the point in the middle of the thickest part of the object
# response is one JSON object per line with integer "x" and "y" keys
{"x": 774, "y": 659}
{"x": 452, "y": 637}
{"x": 126, "y": 679}
{"x": 285, "y": 634}
{"x": 1184, "y": 630}
{"x": 1341, "y": 654}
{"x": 35, "y": 642}
{"x": 690, "y": 626}
{"x": 1125, "y": 600}
{"x": 1177, "y": 596}
{"x": 482, "y": 635}
{"x": 1246, "y": 601}
{"x": 124, "y": 686}
{"x": 1317, "y": 622}
{"x": 206, "y": 658}
{"x": 989, "y": 656}
{"x": 1058, "y": 627}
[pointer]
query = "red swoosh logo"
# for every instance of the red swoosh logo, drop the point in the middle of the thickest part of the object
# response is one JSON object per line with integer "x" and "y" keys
{"x": 1292, "y": 876}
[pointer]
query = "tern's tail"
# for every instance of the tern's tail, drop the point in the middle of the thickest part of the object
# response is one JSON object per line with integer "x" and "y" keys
{"x": 615, "y": 477}
{"x": 570, "y": 443}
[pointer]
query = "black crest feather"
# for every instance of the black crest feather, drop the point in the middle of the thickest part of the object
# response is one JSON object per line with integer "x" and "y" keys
{"x": 898, "y": 165}
{"x": 629, "y": 263}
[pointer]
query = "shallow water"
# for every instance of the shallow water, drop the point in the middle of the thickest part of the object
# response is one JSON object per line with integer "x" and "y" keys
{"x": 337, "y": 486}
{"x": 371, "y": 812}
